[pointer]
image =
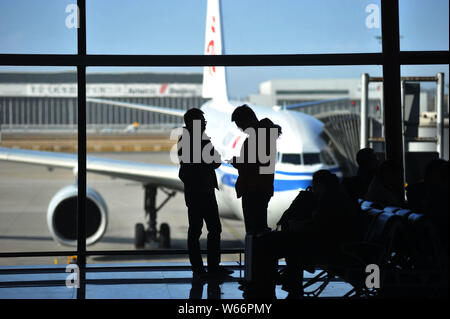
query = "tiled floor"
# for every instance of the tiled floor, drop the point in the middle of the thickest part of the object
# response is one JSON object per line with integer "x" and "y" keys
{"x": 143, "y": 284}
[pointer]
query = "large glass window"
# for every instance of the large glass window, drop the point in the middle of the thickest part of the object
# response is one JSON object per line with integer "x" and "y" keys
{"x": 424, "y": 25}
{"x": 38, "y": 125}
{"x": 425, "y": 109}
{"x": 39, "y": 106}
{"x": 124, "y": 136}
{"x": 178, "y": 27}
{"x": 38, "y": 27}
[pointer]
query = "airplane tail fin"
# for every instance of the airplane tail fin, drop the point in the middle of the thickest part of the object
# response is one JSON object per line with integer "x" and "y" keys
{"x": 214, "y": 77}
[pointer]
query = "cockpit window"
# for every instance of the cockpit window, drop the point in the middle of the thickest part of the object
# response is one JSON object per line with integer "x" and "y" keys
{"x": 311, "y": 158}
{"x": 291, "y": 158}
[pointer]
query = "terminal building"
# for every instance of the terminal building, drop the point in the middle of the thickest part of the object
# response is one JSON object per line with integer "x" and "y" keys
{"x": 340, "y": 95}
{"x": 338, "y": 106}
{"x": 45, "y": 101}
{"x": 49, "y": 100}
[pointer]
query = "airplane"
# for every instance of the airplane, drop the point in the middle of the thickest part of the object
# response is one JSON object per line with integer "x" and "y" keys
{"x": 301, "y": 151}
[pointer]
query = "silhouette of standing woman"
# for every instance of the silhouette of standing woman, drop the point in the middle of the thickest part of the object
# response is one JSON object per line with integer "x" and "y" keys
{"x": 198, "y": 160}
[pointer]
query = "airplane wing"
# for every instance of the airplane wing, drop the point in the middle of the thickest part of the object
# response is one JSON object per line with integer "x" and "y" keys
{"x": 155, "y": 174}
{"x": 151, "y": 108}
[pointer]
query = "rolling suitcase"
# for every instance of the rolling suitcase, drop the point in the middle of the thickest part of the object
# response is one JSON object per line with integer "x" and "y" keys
{"x": 256, "y": 269}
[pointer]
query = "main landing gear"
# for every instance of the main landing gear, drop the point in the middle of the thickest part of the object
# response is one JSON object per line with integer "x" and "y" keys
{"x": 147, "y": 235}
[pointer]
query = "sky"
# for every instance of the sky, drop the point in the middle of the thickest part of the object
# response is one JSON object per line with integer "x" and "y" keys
{"x": 249, "y": 26}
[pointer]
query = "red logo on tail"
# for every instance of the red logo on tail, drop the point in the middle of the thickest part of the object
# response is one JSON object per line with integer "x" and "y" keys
{"x": 235, "y": 141}
{"x": 163, "y": 88}
{"x": 212, "y": 69}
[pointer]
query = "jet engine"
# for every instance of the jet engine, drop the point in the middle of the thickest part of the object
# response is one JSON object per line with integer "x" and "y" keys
{"x": 62, "y": 216}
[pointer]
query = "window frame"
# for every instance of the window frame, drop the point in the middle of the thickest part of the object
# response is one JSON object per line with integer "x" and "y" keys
{"x": 391, "y": 58}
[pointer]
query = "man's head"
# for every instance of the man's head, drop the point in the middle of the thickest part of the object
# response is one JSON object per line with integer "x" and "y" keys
{"x": 244, "y": 117}
{"x": 324, "y": 181}
{"x": 193, "y": 115}
{"x": 367, "y": 159}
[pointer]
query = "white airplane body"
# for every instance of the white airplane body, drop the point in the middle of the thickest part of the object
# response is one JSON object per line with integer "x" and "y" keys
{"x": 301, "y": 150}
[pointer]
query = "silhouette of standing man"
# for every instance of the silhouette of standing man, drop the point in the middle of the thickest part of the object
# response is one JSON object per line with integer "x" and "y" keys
{"x": 256, "y": 167}
{"x": 198, "y": 160}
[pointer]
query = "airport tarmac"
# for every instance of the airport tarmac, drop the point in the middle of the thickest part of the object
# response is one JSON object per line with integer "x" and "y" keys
{"x": 26, "y": 190}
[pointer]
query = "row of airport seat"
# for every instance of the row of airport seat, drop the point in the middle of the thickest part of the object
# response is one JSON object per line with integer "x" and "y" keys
{"x": 403, "y": 245}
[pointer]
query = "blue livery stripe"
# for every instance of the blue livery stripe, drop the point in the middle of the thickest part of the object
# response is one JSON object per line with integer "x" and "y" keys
{"x": 279, "y": 185}
{"x": 332, "y": 170}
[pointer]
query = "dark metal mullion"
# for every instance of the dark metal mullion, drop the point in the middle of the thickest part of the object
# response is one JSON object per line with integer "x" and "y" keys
{"x": 406, "y": 57}
{"x": 37, "y": 254}
{"x": 81, "y": 207}
{"x": 112, "y": 252}
{"x": 391, "y": 83}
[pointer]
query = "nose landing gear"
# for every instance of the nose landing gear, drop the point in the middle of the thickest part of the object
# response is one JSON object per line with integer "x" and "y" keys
{"x": 150, "y": 235}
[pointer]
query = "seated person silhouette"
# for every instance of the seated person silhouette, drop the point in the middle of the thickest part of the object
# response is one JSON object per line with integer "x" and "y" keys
{"x": 386, "y": 187}
{"x": 199, "y": 178}
{"x": 357, "y": 186}
{"x": 430, "y": 198}
{"x": 306, "y": 242}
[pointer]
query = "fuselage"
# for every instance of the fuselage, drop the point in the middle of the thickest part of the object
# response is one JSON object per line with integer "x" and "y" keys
{"x": 301, "y": 151}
